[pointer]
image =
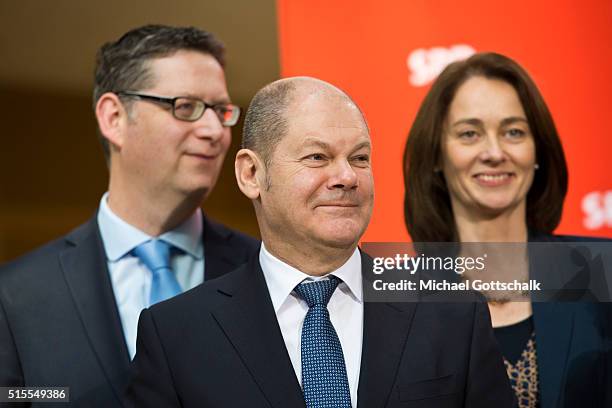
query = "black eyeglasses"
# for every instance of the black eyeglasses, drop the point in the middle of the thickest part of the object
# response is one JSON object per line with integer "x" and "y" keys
{"x": 191, "y": 109}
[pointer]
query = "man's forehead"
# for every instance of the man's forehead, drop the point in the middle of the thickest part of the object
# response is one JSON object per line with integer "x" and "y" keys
{"x": 310, "y": 131}
{"x": 182, "y": 73}
{"x": 326, "y": 120}
{"x": 326, "y": 103}
{"x": 182, "y": 62}
{"x": 314, "y": 140}
{"x": 316, "y": 93}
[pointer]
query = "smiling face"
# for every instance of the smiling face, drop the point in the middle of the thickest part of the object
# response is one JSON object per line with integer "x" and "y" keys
{"x": 162, "y": 155}
{"x": 489, "y": 153}
{"x": 321, "y": 188}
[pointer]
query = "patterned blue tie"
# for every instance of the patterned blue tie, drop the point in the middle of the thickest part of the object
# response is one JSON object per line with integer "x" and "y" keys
{"x": 155, "y": 254}
{"x": 324, "y": 377}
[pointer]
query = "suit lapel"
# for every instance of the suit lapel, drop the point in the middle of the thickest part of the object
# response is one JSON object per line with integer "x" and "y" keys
{"x": 385, "y": 331}
{"x": 554, "y": 324}
{"x": 250, "y": 324}
{"x": 86, "y": 273}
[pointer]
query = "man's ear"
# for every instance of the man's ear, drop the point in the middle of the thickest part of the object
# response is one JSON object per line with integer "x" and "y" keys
{"x": 250, "y": 173}
{"x": 111, "y": 116}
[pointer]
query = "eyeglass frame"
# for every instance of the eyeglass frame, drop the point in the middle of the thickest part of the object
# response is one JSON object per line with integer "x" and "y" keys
{"x": 172, "y": 102}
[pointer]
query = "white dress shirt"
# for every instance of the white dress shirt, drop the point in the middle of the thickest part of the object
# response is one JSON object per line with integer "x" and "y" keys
{"x": 131, "y": 279}
{"x": 345, "y": 310}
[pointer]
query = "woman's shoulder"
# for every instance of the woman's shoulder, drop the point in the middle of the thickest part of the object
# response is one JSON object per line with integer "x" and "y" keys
{"x": 540, "y": 237}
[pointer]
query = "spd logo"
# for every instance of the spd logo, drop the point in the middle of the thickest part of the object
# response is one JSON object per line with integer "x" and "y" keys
{"x": 597, "y": 207}
{"x": 426, "y": 64}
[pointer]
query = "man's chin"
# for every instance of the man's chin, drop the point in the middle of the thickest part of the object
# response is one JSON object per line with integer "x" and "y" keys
{"x": 195, "y": 191}
{"x": 342, "y": 239}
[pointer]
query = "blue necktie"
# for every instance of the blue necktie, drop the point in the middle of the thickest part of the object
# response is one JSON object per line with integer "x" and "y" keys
{"x": 155, "y": 254}
{"x": 324, "y": 378}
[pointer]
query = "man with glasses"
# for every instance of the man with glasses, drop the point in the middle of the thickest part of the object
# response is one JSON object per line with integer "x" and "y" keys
{"x": 69, "y": 310}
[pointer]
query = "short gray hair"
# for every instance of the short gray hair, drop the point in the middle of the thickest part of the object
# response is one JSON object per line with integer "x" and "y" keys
{"x": 265, "y": 122}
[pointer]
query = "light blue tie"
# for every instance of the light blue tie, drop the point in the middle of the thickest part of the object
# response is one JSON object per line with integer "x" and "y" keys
{"x": 155, "y": 254}
{"x": 324, "y": 378}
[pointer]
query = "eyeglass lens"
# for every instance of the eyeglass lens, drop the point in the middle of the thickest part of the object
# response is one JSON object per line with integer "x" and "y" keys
{"x": 193, "y": 109}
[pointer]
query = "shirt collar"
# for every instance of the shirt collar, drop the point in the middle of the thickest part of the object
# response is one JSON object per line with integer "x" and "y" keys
{"x": 119, "y": 237}
{"x": 282, "y": 278}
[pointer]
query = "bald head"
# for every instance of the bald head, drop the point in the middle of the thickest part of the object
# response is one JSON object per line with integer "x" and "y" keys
{"x": 269, "y": 115}
{"x": 306, "y": 166}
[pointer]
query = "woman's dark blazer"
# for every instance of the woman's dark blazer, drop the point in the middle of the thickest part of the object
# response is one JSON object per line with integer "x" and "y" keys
{"x": 573, "y": 342}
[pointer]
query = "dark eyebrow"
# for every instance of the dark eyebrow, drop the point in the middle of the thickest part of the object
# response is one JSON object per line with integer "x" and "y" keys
{"x": 478, "y": 122}
{"x": 513, "y": 119}
{"x": 213, "y": 102}
{"x": 315, "y": 142}
{"x": 361, "y": 145}
{"x": 469, "y": 121}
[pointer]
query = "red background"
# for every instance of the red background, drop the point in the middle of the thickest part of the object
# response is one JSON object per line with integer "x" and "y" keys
{"x": 362, "y": 46}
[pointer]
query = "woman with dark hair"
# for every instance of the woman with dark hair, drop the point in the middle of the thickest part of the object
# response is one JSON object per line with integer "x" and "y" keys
{"x": 484, "y": 163}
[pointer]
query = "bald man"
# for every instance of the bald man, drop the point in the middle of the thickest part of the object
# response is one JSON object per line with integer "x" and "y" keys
{"x": 290, "y": 328}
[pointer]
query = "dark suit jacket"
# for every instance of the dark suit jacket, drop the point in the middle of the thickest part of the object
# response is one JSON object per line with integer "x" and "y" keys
{"x": 220, "y": 345}
{"x": 573, "y": 341}
{"x": 59, "y": 323}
